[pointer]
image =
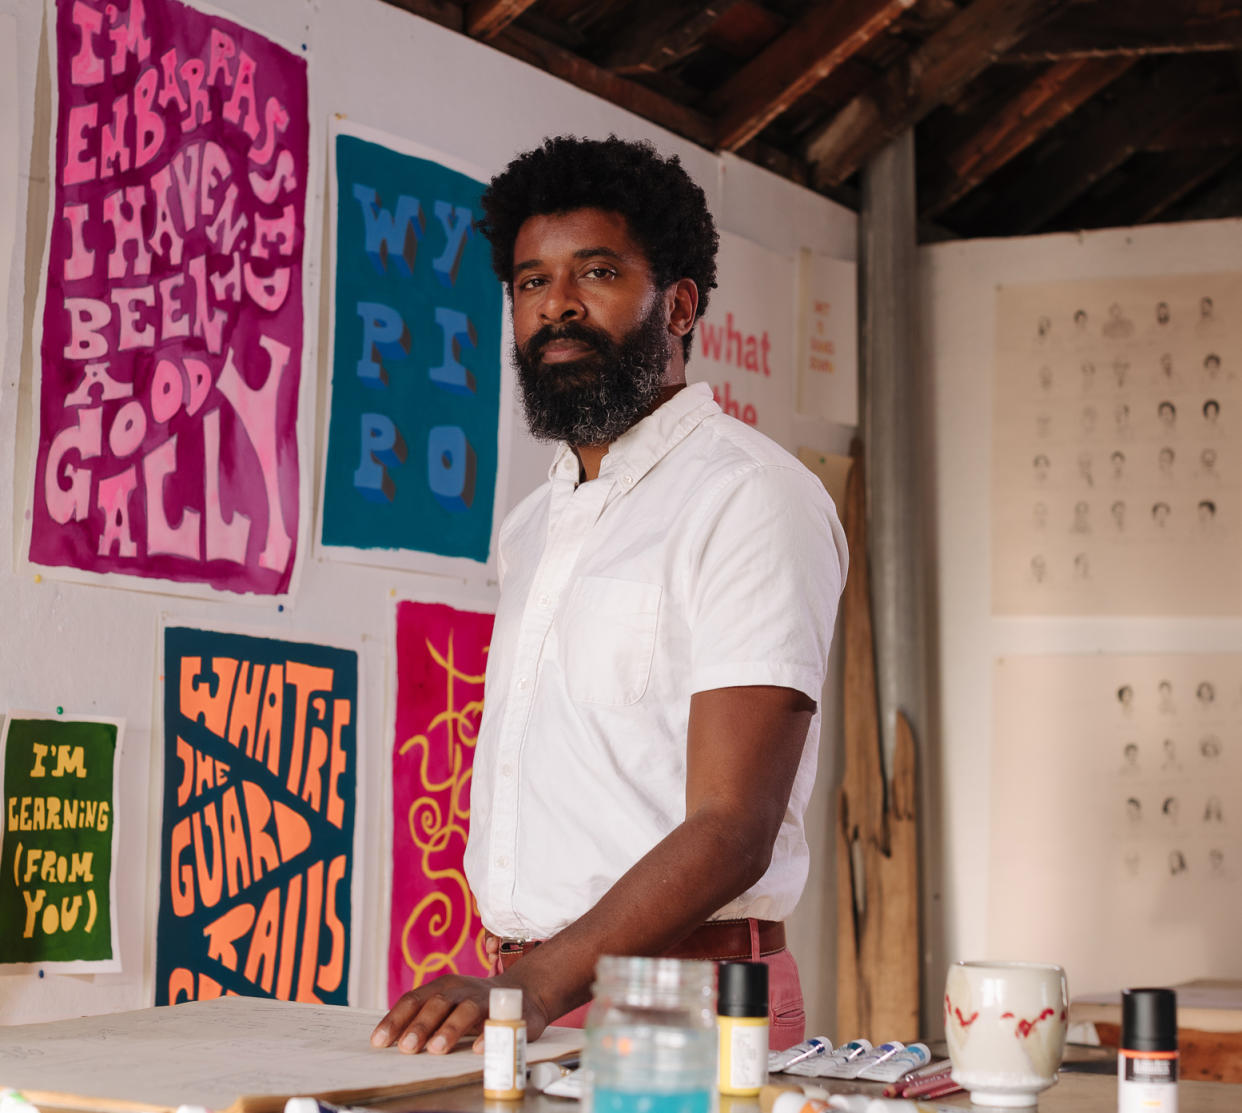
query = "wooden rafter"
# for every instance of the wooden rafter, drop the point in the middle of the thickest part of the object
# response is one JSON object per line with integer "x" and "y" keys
{"x": 1223, "y": 199}
{"x": 925, "y": 78}
{"x": 1157, "y": 191}
{"x": 1009, "y": 130}
{"x": 679, "y": 118}
{"x": 485, "y": 19}
{"x": 662, "y": 34}
{"x": 444, "y": 12}
{"x": 1144, "y": 105}
{"x": 1126, "y": 27}
{"x": 804, "y": 55}
{"x": 1217, "y": 122}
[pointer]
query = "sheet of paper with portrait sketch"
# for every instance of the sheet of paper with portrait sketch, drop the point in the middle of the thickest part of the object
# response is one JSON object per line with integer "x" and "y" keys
{"x": 1148, "y": 820}
{"x": 1111, "y": 458}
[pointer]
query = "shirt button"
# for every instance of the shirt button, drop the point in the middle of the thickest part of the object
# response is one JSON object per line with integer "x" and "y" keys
{"x": 507, "y": 769}
{"x": 502, "y": 862}
{"x": 628, "y": 480}
{"x": 545, "y": 601}
{"x": 524, "y": 682}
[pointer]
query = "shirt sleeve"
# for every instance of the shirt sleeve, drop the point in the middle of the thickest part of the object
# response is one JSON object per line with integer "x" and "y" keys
{"x": 768, "y": 566}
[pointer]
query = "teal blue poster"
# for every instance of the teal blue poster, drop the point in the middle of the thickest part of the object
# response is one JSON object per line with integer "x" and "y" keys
{"x": 412, "y": 435}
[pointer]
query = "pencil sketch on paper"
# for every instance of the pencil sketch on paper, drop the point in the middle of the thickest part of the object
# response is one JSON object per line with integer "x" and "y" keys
{"x": 1137, "y": 850}
{"x": 1116, "y": 488}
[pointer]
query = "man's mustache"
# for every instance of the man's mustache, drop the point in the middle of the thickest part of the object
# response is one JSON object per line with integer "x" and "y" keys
{"x": 570, "y": 330}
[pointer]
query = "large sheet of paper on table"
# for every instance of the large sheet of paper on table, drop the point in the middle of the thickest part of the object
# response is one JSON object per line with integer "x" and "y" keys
{"x": 234, "y": 1054}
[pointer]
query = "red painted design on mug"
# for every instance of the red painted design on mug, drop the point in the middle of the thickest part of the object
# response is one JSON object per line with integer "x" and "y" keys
{"x": 1025, "y": 1027}
{"x": 964, "y": 1021}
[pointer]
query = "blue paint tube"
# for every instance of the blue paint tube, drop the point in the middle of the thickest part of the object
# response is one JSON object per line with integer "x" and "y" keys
{"x": 853, "y": 1068}
{"x": 827, "y": 1066}
{"x": 899, "y": 1064}
{"x": 807, "y": 1049}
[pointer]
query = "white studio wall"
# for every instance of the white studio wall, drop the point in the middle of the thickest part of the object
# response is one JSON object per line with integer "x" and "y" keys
{"x": 978, "y": 713}
{"x": 94, "y": 649}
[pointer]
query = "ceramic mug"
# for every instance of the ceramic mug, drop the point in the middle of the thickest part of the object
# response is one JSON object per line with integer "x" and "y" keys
{"x": 1005, "y": 1025}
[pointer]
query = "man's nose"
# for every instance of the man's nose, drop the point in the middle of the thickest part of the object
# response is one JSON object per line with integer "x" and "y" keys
{"x": 561, "y": 302}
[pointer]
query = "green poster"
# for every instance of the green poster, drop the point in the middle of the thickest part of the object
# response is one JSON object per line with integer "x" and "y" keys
{"x": 56, "y": 853}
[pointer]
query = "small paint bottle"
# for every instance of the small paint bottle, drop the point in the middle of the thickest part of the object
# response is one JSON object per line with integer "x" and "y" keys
{"x": 504, "y": 1046}
{"x": 1147, "y": 1058}
{"x": 742, "y": 1023}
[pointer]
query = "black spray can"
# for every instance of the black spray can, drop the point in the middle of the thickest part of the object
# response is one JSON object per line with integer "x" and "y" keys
{"x": 1147, "y": 1058}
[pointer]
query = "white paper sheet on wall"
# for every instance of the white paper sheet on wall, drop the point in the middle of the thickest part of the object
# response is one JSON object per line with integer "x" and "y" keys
{"x": 827, "y": 360}
{"x": 743, "y": 346}
{"x": 8, "y": 168}
{"x": 1115, "y": 844}
{"x": 1115, "y": 475}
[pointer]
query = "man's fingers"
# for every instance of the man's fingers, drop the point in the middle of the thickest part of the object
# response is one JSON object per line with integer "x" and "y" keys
{"x": 424, "y": 1022}
{"x": 388, "y": 1029}
{"x": 463, "y": 1019}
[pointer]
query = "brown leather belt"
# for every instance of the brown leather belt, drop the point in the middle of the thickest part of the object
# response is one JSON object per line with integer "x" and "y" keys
{"x": 717, "y": 940}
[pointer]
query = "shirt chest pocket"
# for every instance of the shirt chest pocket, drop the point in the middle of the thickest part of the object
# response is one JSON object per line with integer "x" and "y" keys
{"x": 607, "y": 640}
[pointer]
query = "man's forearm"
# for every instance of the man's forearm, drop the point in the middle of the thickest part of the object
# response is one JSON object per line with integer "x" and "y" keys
{"x": 700, "y": 866}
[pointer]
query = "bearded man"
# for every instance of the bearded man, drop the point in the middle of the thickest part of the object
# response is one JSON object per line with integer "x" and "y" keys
{"x": 650, "y": 727}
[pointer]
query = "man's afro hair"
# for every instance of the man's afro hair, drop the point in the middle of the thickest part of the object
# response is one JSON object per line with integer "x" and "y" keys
{"x": 665, "y": 211}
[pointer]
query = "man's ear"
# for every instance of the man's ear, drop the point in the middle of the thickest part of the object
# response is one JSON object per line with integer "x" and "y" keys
{"x": 683, "y": 301}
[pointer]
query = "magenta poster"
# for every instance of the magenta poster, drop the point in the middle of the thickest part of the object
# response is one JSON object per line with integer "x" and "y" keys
{"x": 171, "y": 352}
{"x": 441, "y": 658}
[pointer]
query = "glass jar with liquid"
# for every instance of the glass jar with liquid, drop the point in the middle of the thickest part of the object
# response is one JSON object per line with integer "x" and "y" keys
{"x": 651, "y": 1037}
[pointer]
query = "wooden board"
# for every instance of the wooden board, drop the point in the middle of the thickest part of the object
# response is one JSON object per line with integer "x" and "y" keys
{"x": 233, "y": 1054}
{"x": 877, "y": 839}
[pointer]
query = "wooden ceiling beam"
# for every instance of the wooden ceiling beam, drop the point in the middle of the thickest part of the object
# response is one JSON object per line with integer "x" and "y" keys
{"x": 485, "y": 19}
{"x": 1014, "y": 126}
{"x": 1146, "y": 103}
{"x": 824, "y": 37}
{"x": 1219, "y": 201}
{"x": 1217, "y": 122}
{"x": 1137, "y": 30}
{"x": 678, "y": 118}
{"x": 444, "y": 12}
{"x": 663, "y": 34}
{"x": 1157, "y": 192}
{"x": 929, "y": 76}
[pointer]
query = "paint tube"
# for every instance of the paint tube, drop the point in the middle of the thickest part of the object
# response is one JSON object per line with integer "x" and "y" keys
{"x": 14, "y": 1101}
{"x": 898, "y": 1065}
{"x": 793, "y": 1102}
{"x": 873, "y": 1058}
{"x": 807, "y": 1049}
{"x": 823, "y": 1066}
{"x": 828, "y": 1066}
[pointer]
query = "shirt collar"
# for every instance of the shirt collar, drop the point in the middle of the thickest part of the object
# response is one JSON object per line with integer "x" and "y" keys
{"x": 646, "y": 442}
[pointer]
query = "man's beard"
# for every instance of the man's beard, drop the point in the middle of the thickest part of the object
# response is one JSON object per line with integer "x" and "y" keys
{"x": 594, "y": 399}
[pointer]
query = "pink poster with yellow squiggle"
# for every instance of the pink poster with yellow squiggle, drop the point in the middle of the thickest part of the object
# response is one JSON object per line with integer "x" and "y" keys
{"x": 441, "y": 658}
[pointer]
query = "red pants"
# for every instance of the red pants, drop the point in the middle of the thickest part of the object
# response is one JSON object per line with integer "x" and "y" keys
{"x": 786, "y": 1012}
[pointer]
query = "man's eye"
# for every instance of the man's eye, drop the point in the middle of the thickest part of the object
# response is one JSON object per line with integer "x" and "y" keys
{"x": 601, "y": 272}
{"x": 530, "y": 283}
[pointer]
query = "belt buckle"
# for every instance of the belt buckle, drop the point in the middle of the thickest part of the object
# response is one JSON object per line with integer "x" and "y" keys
{"x": 513, "y": 946}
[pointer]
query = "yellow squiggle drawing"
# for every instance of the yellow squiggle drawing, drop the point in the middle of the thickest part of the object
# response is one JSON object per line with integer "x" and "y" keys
{"x": 435, "y": 824}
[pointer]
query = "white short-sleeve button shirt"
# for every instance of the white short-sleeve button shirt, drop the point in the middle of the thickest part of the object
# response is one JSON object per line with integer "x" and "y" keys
{"x": 703, "y": 556}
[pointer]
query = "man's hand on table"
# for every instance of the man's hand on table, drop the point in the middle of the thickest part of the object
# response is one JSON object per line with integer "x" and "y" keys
{"x": 436, "y": 1015}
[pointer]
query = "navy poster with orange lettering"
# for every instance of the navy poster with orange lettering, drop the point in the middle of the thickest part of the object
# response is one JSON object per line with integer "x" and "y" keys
{"x": 260, "y": 776}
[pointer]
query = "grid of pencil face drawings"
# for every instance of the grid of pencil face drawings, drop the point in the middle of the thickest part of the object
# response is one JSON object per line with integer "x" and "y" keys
{"x": 1116, "y": 479}
{"x": 1176, "y": 742}
{"x": 1115, "y": 803}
